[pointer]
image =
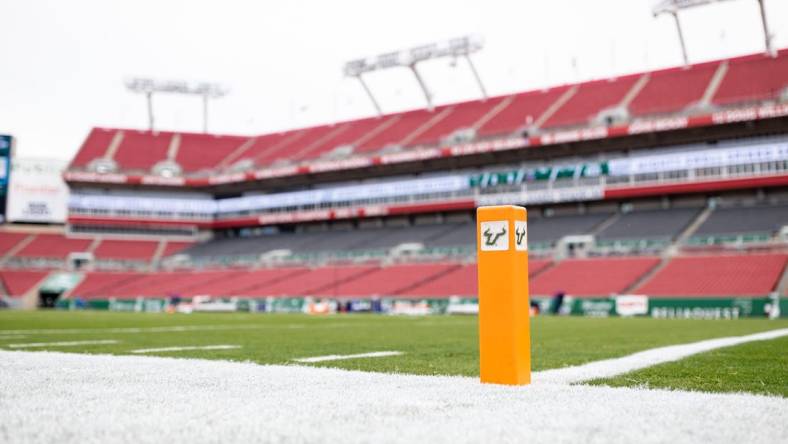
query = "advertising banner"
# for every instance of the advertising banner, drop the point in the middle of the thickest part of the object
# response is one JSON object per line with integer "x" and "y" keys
{"x": 37, "y": 192}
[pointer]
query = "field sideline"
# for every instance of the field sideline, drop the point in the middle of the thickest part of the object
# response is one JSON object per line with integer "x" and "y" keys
{"x": 176, "y": 378}
{"x": 436, "y": 345}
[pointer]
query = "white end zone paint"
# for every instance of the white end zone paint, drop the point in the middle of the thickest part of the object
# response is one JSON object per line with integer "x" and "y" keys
{"x": 143, "y": 399}
{"x": 151, "y": 399}
{"x": 380, "y": 354}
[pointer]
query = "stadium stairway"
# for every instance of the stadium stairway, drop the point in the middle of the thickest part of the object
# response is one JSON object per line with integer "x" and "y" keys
{"x": 13, "y": 243}
{"x": 634, "y": 91}
{"x": 782, "y": 286}
{"x": 22, "y": 285}
{"x": 714, "y": 84}
{"x": 323, "y": 281}
{"x": 430, "y": 279}
{"x": 592, "y": 277}
{"x": 668, "y": 253}
{"x": 492, "y": 113}
{"x": 554, "y": 107}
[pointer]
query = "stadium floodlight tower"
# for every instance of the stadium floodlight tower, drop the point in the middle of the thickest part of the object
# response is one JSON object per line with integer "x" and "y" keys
{"x": 409, "y": 58}
{"x": 149, "y": 86}
{"x": 673, "y": 7}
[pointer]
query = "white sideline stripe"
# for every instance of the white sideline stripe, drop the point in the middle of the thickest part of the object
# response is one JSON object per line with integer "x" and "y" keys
{"x": 647, "y": 358}
{"x": 186, "y": 348}
{"x": 379, "y": 354}
{"x": 63, "y": 343}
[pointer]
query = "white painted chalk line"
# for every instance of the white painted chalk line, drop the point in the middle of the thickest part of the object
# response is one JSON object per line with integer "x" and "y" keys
{"x": 176, "y": 329}
{"x": 379, "y": 354}
{"x": 186, "y": 348}
{"x": 136, "y": 398}
{"x": 3, "y": 337}
{"x": 63, "y": 343}
{"x": 618, "y": 366}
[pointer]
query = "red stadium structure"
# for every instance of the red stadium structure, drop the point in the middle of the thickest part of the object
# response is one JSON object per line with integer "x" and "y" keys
{"x": 670, "y": 184}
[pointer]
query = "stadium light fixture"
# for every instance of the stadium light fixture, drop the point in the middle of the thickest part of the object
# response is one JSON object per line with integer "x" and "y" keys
{"x": 409, "y": 58}
{"x": 149, "y": 86}
{"x": 673, "y": 7}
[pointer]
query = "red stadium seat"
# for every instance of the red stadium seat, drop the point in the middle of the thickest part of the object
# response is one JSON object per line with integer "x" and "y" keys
{"x": 462, "y": 116}
{"x": 9, "y": 240}
{"x": 390, "y": 281}
{"x": 18, "y": 282}
{"x": 525, "y": 108}
{"x": 140, "y": 250}
{"x": 93, "y": 147}
{"x": 673, "y": 89}
{"x": 590, "y": 99}
{"x": 140, "y": 150}
{"x": 753, "y": 78}
{"x": 53, "y": 246}
{"x": 311, "y": 282}
{"x": 204, "y": 151}
{"x": 736, "y": 275}
{"x": 394, "y": 134}
{"x": 175, "y": 247}
{"x": 348, "y": 133}
{"x": 592, "y": 277}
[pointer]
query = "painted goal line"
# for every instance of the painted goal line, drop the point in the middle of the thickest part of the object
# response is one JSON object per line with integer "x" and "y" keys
{"x": 379, "y": 354}
{"x": 186, "y": 348}
{"x": 647, "y": 358}
{"x": 63, "y": 343}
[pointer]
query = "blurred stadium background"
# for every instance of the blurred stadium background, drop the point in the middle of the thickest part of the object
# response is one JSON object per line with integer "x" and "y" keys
{"x": 658, "y": 193}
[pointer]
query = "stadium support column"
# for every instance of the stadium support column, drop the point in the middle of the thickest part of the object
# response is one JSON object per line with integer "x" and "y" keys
{"x": 504, "y": 307}
{"x": 476, "y": 76}
{"x": 149, "y": 97}
{"x": 205, "y": 113}
{"x": 370, "y": 95}
{"x": 766, "y": 35}
{"x": 675, "y": 15}
{"x": 423, "y": 85}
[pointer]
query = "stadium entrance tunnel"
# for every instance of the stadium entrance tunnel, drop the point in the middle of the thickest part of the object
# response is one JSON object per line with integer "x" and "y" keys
{"x": 48, "y": 298}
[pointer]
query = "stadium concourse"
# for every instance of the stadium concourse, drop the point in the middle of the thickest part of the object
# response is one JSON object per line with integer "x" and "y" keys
{"x": 665, "y": 191}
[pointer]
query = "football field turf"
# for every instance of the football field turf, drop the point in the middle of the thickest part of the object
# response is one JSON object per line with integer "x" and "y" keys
{"x": 434, "y": 345}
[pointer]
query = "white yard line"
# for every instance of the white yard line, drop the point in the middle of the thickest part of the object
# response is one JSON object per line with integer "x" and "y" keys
{"x": 137, "y": 399}
{"x": 63, "y": 343}
{"x": 176, "y": 329}
{"x": 163, "y": 329}
{"x": 380, "y": 354}
{"x": 186, "y": 348}
{"x": 647, "y": 358}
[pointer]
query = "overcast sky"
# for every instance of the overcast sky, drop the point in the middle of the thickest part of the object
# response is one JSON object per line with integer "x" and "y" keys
{"x": 63, "y": 63}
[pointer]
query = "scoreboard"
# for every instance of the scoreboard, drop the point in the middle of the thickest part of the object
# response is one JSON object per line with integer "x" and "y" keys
{"x": 5, "y": 170}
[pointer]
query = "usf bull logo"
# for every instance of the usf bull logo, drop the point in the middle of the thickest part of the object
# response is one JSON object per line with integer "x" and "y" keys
{"x": 494, "y": 235}
{"x": 490, "y": 238}
{"x": 518, "y": 236}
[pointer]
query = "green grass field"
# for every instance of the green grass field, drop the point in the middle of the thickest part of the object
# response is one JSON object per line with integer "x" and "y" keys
{"x": 432, "y": 345}
{"x": 757, "y": 367}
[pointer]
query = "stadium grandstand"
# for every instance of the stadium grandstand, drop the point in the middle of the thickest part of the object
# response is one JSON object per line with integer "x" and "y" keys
{"x": 671, "y": 184}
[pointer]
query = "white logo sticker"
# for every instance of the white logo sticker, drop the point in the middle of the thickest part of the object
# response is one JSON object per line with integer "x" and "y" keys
{"x": 521, "y": 235}
{"x": 494, "y": 235}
